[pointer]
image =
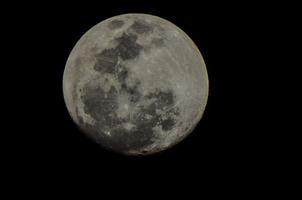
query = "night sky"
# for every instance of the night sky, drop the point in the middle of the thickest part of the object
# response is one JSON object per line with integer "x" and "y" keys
{"x": 228, "y": 141}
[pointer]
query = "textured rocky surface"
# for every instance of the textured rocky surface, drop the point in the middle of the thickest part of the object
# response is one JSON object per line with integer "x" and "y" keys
{"x": 136, "y": 84}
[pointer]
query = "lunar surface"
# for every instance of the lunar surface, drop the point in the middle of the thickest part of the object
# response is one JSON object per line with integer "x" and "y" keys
{"x": 136, "y": 84}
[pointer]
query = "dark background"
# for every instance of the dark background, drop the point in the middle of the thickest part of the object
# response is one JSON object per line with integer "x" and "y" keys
{"x": 230, "y": 142}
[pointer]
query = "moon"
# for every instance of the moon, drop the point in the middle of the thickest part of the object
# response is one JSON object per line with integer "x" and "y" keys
{"x": 136, "y": 84}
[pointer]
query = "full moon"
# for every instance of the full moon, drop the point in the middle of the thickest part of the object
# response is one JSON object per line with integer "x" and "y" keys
{"x": 136, "y": 84}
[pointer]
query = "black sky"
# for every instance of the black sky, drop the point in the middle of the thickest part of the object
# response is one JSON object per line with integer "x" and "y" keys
{"x": 228, "y": 140}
